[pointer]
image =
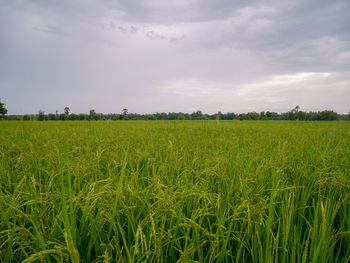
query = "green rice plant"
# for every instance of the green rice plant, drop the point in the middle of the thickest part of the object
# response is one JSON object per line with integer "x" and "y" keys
{"x": 175, "y": 191}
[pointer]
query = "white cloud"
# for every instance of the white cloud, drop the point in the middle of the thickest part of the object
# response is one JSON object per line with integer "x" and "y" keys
{"x": 280, "y": 83}
{"x": 191, "y": 87}
{"x": 277, "y": 92}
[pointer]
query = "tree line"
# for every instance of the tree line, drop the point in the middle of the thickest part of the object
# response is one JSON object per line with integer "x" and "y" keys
{"x": 293, "y": 114}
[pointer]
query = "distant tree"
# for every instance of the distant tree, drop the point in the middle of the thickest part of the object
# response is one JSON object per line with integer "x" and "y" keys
{"x": 328, "y": 115}
{"x": 92, "y": 115}
{"x": 41, "y": 115}
{"x": 262, "y": 116}
{"x": 300, "y": 115}
{"x": 242, "y": 116}
{"x": 51, "y": 117}
{"x": 172, "y": 116}
{"x": 73, "y": 117}
{"x": 268, "y": 115}
{"x": 276, "y": 116}
{"x": 196, "y": 115}
{"x": 293, "y": 113}
{"x": 66, "y": 111}
{"x": 100, "y": 116}
{"x": 125, "y": 113}
{"x": 180, "y": 116}
{"x": 163, "y": 116}
{"x": 62, "y": 117}
{"x": 82, "y": 116}
{"x": 218, "y": 115}
{"x": 253, "y": 115}
{"x": 312, "y": 116}
{"x": 230, "y": 116}
{"x": 3, "y": 110}
{"x": 150, "y": 117}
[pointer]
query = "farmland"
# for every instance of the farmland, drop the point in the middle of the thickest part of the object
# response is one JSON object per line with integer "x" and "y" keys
{"x": 168, "y": 191}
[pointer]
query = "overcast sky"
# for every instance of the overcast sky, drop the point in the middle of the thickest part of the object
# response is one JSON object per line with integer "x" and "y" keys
{"x": 174, "y": 55}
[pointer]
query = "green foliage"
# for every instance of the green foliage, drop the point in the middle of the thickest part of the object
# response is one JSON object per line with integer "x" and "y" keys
{"x": 3, "y": 110}
{"x": 66, "y": 111}
{"x": 294, "y": 114}
{"x": 297, "y": 114}
{"x": 175, "y": 191}
{"x": 73, "y": 117}
{"x": 51, "y": 117}
{"x": 62, "y": 117}
{"x": 41, "y": 115}
{"x": 125, "y": 114}
{"x": 26, "y": 117}
{"x": 92, "y": 115}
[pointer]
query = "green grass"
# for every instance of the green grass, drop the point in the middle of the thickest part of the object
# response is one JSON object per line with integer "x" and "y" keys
{"x": 172, "y": 191}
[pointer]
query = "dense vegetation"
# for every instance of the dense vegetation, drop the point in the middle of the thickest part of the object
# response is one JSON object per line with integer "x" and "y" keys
{"x": 3, "y": 110}
{"x": 165, "y": 191}
{"x": 294, "y": 114}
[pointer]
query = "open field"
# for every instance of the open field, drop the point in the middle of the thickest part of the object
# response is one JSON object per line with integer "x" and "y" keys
{"x": 163, "y": 191}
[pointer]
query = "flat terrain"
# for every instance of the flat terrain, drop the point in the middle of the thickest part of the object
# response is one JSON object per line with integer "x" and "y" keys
{"x": 163, "y": 191}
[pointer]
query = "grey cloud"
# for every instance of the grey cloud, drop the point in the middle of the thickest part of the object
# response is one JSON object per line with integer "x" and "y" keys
{"x": 130, "y": 29}
{"x": 149, "y": 32}
{"x": 51, "y": 30}
{"x": 173, "y": 55}
{"x": 167, "y": 12}
{"x": 154, "y": 35}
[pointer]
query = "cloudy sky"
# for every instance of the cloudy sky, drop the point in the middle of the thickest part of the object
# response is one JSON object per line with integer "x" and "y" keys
{"x": 179, "y": 55}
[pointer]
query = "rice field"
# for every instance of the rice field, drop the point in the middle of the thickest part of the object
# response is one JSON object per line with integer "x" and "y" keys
{"x": 175, "y": 191}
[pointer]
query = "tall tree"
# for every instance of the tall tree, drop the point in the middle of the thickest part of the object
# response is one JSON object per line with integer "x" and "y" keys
{"x": 3, "y": 110}
{"x": 66, "y": 111}
{"x": 218, "y": 115}
{"x": 41, "y": 115}
{"x": 125, "y": 113}
{"x": 92, "y": 115}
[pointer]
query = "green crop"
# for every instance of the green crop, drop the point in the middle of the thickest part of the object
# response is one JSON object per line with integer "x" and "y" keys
{"x": 175, "y": 191}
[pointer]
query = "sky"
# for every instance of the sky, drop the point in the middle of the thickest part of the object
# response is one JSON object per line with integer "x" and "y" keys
{"x": 171, "y": 56}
